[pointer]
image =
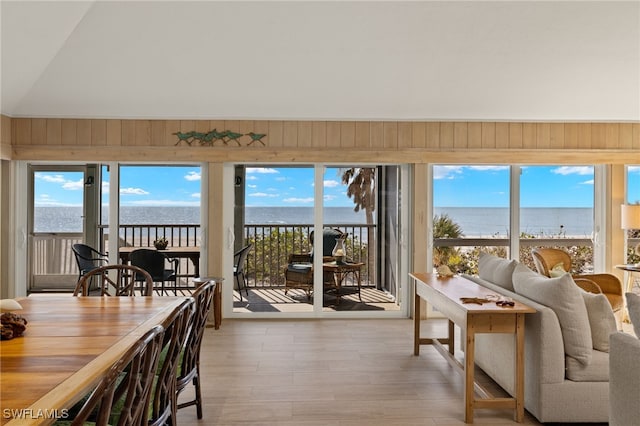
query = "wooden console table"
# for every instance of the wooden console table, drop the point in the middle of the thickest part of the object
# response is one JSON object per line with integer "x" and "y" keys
{"x": 444, "y": 294}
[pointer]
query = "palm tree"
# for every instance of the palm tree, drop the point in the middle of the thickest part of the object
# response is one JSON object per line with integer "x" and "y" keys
{"x": 445, "y": 227}
{"x": 361, "y": 187}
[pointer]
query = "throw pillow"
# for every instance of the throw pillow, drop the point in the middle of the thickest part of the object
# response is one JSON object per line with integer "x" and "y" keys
{"x": 564, "y": 297}
{"x": 601, "y": 319}
{"x": 633, "y": 306}
{"x": 557, "y": 270}
{"x": 496, "y": 270}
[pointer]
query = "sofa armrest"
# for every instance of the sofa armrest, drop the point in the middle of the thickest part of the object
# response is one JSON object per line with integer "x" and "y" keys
{"x": 624, "y": 379}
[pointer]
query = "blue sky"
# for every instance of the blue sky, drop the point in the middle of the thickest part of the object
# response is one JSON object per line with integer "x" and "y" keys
{"x": 454, "y": 186}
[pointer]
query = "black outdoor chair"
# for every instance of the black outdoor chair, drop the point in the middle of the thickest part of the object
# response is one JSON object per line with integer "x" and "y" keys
{"x": 154, "y": 262}
{"x": 88, "y": 258}
{"x": 239, "y": 265}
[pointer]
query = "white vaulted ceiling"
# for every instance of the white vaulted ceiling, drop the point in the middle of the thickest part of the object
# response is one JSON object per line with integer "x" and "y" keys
{"x": 364, "y": 60}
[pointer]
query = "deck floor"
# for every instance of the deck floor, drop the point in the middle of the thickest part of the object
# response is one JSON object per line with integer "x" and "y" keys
{"x": 275, "y": 300}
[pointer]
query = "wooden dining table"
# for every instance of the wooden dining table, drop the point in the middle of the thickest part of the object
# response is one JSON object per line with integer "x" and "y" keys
{"x": 68, "y": 346}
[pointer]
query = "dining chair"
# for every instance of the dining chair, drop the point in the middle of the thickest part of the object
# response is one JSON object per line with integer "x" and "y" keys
{"x": 124, "y": 283}
{"x": 122, "y": 396}
{"x": 239, "y": 266}
{"x": 164, "y": 403}
{"x": 88, "y": 258}
{"x": 190, "y": 364}
{"x": 154, "y": 262}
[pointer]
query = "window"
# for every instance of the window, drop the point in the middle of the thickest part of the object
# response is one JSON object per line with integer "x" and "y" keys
{"x": 471, "y": 213}
{"x": 557, "y": 210}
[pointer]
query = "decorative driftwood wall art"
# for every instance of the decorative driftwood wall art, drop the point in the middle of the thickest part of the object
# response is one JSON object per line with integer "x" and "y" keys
{"x": 210, "y": 138}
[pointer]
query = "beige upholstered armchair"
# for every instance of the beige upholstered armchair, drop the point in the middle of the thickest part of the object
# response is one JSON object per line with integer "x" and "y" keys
{"x": 550, "y": 261}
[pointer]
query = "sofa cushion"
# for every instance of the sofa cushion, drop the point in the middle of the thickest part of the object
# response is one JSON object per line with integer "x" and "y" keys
{"x": 601, "y": 319}
{"x": 633, "y": 306}
{"x": 496, "y": 270}
{"x": 596, "y": 371}
{"x": 563, "y": 296}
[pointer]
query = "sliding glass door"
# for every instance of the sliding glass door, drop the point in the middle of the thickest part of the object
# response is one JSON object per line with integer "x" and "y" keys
{"x": 352, "y": 215}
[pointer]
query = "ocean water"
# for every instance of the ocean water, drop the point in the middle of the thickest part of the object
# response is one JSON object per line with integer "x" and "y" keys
{"x": 475, "y": 222}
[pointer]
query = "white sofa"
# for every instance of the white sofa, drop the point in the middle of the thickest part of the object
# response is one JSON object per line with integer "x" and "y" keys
{"x": 624, "y": 381}
{"x": 557, "y": 387}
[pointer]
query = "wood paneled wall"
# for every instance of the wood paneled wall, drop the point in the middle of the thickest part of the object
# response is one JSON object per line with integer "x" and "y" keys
{"x": 107, "y": 138}
{"x": 5, "y": 137}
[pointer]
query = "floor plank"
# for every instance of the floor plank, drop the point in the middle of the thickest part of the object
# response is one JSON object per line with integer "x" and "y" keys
{"x": 329, "y": 372}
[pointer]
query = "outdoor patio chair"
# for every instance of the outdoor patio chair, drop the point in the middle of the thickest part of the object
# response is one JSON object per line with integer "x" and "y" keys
{"x": 124, "y": 283}
{"x": 239, "y": 266}
{"x": 154, "y": 262}
{"x": 551, "y": 261}
{"x": 88, "y": 258}
{"x": 299, "y": 271}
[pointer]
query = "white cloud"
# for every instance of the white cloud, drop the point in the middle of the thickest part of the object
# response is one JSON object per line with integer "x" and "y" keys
{"x": 193, "y": 176}
{"x": 298, "y": 200}
{"x": 446, "y": 172}
{"x": 573, "y": 170}
{"x": 105, "y": 188}
{"x": 587, "y": 182}
{"x": 196, "y": 195}
{"x": 261, "y": 170}
{"x": 252, "y": 186}
{"x": 73, "y": 186}
{"x": 133, "y": 191}
{"x": 331, "y": 183}
{"x": 483, "y": 168}
{"x": 261, "y": 194}
{"x": 329, "y": 197}
{"x": 281, "y": 179}
{"x": 51, "y": 178}
{"x": 251, "y": 178}
{"x": 634, "y": 169}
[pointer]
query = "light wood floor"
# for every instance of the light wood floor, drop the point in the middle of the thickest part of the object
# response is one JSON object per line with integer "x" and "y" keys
{"x": 329, "y": 372}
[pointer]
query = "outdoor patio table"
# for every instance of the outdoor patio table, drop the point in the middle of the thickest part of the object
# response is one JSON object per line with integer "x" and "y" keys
{"x": 69, "y": 344}
{"x": 191, "y": 253}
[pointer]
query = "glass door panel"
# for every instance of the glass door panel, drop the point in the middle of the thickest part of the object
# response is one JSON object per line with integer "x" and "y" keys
{"x": 162, "y": 202}
{"x": 56, "y": 222}
{"x": 363, "y": 203}
{"x": 274, "y": 212}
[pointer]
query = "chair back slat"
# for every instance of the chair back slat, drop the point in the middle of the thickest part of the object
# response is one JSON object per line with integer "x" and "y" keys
{"x": 122, "y": 397}
{"x": 164, "y": 404}
{"x": 190, "y": 365}
{"x": 124, "y": 284}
